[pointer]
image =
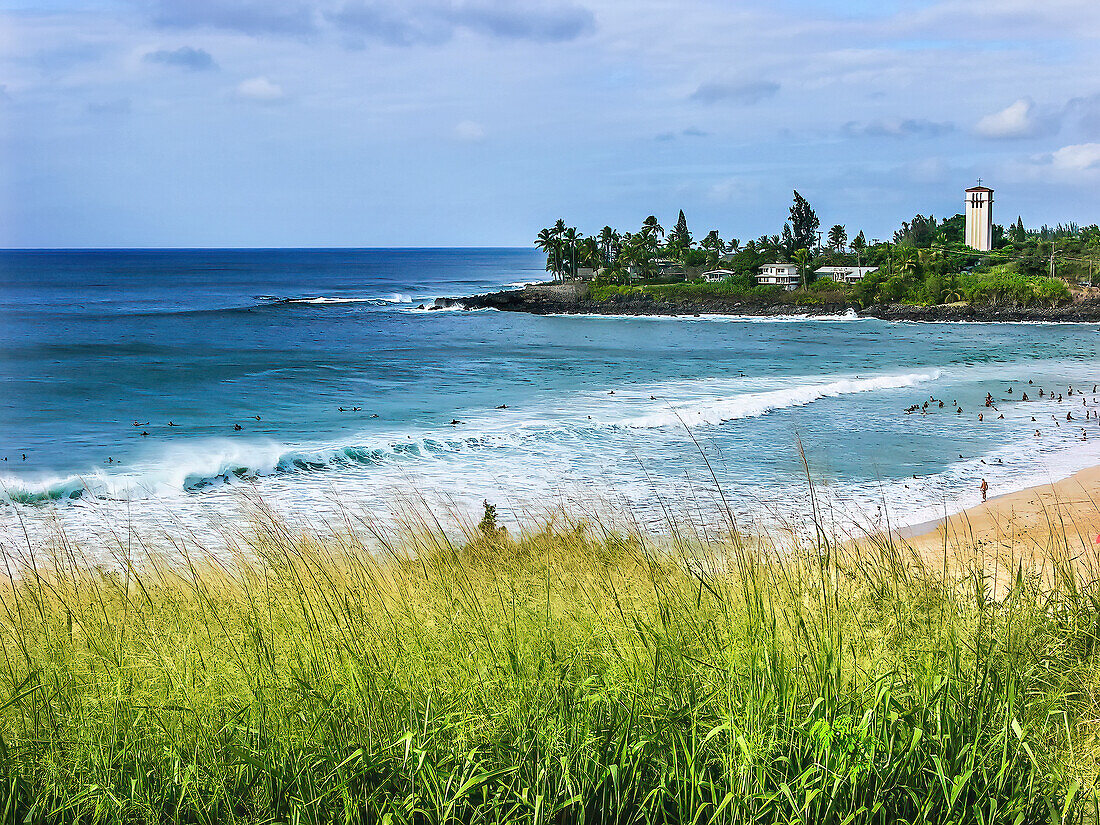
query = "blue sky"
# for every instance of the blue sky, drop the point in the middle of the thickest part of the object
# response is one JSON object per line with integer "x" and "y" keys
{"x": 477, "y": 122}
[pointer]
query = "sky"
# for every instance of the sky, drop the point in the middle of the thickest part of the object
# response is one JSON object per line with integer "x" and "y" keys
{"x": 246, "y": 123}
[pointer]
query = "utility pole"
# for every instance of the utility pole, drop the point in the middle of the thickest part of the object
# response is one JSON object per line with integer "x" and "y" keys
{"x": 1052, "y": 259}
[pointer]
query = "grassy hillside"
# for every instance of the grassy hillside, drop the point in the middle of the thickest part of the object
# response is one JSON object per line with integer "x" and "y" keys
{"x": 571, "y": 674}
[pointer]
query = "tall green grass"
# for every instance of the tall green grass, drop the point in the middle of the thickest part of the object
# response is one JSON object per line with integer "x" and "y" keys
{"x": 572, "y": 673}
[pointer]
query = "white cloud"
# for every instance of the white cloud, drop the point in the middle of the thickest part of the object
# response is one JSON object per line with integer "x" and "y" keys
{"x": 1077, "y": 165}
{"x": 260, "y": 88}
{"x": 469, "y": 130}
{"x": 1080, "y": 157}
{"x": 993, "y": 19}
{"x": 1019, "y": 120}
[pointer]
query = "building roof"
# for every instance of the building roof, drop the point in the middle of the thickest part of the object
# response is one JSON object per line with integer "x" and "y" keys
{"x": 979, "y": 189}
{"x": 863, "y": 270}
{"x": 789, "y": 266}
{"x": 719, "y": 272}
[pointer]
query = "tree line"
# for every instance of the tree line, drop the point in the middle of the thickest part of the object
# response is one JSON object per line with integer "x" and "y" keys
{"x": 925, "y": 261}
{"x": 617, "y": 256}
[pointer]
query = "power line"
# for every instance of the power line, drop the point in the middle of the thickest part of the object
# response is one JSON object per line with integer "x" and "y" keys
{"x": 1011, "y": 256}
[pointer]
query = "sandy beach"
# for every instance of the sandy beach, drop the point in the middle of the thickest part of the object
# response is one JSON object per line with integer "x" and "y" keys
{"x": 1044, "y": 530}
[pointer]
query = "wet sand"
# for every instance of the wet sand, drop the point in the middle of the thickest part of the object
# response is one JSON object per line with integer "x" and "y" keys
{"x": 1044, "y": 529}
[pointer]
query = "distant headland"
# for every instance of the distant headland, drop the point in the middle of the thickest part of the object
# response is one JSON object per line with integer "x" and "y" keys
{"x": 960, "y": 268}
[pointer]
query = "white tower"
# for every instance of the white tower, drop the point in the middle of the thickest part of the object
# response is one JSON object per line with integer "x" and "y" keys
{"x": 979, "y": 217}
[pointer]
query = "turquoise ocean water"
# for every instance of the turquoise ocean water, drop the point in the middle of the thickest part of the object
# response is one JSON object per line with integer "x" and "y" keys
{"x": 168, "y": 384}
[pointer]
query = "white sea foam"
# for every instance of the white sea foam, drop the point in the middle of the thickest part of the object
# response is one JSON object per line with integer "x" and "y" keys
{"x": 751, "y": 405}
{"x": 430, "y": 307}
{"x": 850, "y": 315}
{"x": 392, "y": 298}
{"x": 321, "y": 299}
{"x": 199, "y": 465}
{"x": 589, "y": 445}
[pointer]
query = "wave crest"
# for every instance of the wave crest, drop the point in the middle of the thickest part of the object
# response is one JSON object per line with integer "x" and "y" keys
{"x": 751, "y": 405}
{"x": 197, "y": 466}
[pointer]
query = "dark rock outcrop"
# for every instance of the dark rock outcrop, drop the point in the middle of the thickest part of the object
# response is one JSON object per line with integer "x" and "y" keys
{"x": 566, "y": 299}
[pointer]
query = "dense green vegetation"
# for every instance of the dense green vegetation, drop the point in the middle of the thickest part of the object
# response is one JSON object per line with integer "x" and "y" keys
{"x": 572, "y": 674}
{"x": 735, "y": 287}
{"x": 926, "y": 262}
{"x": 999, "y": 284}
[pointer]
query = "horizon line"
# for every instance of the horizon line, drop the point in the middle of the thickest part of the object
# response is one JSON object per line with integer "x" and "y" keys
{"x": 245, "y": 248}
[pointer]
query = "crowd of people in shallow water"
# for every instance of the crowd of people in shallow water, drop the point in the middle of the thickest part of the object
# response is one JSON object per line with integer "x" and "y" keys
{"x": 1037, "y": 394}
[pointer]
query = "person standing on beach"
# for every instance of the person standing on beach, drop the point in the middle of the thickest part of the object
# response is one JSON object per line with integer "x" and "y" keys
{"x": 984, "y": 487}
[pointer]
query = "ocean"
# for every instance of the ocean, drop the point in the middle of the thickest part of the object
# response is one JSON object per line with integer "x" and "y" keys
{"x": 176, "y": 387}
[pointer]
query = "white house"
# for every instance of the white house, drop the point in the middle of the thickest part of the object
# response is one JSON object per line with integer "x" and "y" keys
{"x": 784, "y": 275}
{"x": 845, "y": 274}
{"x": 714, "y": 275}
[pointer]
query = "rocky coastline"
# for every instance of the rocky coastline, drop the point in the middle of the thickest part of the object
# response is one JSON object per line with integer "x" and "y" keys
{"x": 571, "y": 299}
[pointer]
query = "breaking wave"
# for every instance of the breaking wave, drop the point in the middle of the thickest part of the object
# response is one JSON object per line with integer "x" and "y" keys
{"x": 192, "y": 467}
{"x": 393, "y": 298}
{"x": 750, "y": 405}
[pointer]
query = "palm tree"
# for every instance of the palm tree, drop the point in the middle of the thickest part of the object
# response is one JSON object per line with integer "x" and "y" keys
{"x": 558, "y": 230}
{"x": 769, "y": 245}
{"x": 952, "y": 293}
{"x": 569, "y": 240}
{"x": 733, "y": 246}
{"x": 714, "y": 246}
{"x": 641, "y": 251}
{"x": 651, "y": 227}
{"x": 606, "y": 244}
{"x": 802, "y": 258}
{"x": 929, "y": 258}
{"x": 548, "y": 243}
{"x": 838, "y": 237}
{"x": 859, "y": 245}
{"x": 907, "y": 260}
{"x": 588, "y": 253}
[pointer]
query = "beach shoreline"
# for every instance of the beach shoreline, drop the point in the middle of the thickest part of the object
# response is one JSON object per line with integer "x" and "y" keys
{"x": 1039, "y": 528}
